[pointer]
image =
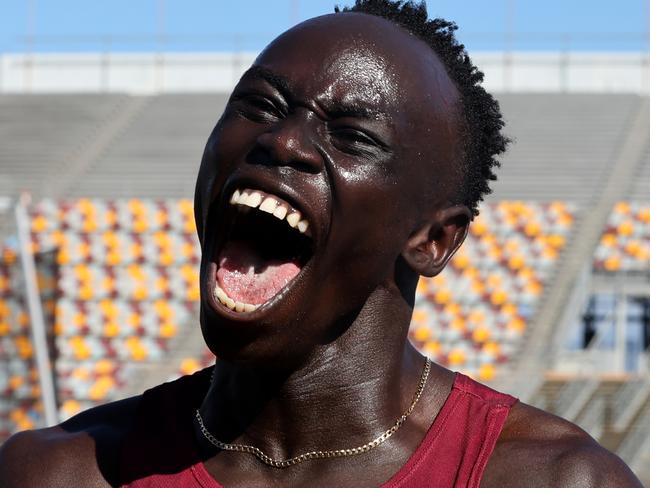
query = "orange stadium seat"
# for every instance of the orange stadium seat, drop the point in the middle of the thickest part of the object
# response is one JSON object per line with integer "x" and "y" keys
{"x": 625, "y": 242}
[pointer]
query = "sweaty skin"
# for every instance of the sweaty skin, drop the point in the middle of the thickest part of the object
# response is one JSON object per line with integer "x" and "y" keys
{"x": 357, "y": 122}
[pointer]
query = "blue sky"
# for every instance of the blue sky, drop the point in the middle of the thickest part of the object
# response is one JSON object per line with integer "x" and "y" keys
{"x": 219, "y": 25}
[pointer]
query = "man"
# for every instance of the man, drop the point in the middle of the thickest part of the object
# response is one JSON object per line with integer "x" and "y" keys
{"x": 349, "y": 161}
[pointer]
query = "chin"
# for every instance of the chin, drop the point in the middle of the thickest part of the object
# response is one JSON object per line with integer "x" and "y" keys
{"x": 255, "y": 345}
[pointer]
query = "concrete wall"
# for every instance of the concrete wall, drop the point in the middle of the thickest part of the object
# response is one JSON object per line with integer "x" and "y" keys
{"x": 138, "y": 73}
{"x": 218, "y": 72}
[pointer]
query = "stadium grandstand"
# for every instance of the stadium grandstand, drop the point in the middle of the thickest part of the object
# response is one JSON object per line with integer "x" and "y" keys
{"x": 549, "y": 298}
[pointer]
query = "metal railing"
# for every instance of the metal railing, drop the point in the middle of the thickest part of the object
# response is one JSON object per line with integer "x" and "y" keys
{"x": 574, "y": 396}
{"x": 593, "y": 418}
{"x": 636, "y": 445}
{"x": 628, "y": 400}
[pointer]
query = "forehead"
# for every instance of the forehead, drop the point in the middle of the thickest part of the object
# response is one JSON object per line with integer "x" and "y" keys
{"x": 362, "y": 59}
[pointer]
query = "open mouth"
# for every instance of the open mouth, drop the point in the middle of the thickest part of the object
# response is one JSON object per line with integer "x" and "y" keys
{"x": 267, "y": 243}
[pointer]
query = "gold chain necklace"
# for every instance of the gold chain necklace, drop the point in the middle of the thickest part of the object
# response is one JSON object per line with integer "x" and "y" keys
{"x": 283, "y": 463}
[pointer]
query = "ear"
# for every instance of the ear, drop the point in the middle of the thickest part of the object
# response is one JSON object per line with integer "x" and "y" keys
{"x": 430, "y": 247}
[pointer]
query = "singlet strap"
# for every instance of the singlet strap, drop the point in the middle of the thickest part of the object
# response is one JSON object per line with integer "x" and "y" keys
{"x": 461, "y": 439}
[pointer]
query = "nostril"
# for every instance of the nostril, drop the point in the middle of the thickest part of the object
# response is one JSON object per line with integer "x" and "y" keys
{"x": 265, "y": 140}
{"x": 305, "y": 167}
{"x": 261, "y": 157}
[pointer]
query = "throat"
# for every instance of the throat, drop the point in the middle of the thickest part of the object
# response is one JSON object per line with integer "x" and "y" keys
{"x": 248, "y": 276}
{"x": 252, "y": 406}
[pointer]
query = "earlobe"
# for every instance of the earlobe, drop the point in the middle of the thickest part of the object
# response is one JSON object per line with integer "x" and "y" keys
{"x": 429, "y": 248}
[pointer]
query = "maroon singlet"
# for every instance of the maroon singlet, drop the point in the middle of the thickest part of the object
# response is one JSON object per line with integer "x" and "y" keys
{"x": 161, "y": 452}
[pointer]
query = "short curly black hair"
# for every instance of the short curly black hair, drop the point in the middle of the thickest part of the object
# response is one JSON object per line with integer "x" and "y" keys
{"x": 483, "y": 122}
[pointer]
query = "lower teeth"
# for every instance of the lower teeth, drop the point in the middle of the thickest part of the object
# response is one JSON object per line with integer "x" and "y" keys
{"x": 221, "y": 295}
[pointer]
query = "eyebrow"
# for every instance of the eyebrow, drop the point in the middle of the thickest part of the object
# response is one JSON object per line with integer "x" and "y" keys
{"x": 275, "y": 80}
{"x": 359, "y": 110}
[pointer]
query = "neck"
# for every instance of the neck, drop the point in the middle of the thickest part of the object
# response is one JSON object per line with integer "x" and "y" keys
{"x": 342, "y": 396}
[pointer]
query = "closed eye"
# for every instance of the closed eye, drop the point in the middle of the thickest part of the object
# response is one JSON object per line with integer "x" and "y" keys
{"x": 257, "y": 108}
{"x": 354, "y": 141}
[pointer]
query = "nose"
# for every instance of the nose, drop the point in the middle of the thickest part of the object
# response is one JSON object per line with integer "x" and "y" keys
{"x": 290, "y": 142}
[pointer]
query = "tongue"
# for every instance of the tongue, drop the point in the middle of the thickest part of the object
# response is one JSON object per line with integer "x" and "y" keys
{"x": 247, "y": 277}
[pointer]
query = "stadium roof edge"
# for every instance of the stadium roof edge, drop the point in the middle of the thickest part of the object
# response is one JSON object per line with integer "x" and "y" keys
{"x": 171, "y": 72}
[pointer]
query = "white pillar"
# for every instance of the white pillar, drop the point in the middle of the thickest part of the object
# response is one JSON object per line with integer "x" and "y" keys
{"x": 37, "y": 329}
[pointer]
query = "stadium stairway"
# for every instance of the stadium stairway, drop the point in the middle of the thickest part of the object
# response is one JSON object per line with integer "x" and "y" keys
{"x": 640, "y": 190}
{"x": 613, "y": 185}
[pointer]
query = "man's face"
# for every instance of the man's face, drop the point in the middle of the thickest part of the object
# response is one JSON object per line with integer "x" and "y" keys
{"x": 347, "y": 125}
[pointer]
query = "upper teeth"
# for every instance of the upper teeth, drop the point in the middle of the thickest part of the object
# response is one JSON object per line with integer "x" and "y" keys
{"x": 272, "y": 205}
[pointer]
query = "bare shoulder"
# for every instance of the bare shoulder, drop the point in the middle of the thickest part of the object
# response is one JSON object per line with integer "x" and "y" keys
{"x": 79, "y": 452}
{"x": 538, "y": 449}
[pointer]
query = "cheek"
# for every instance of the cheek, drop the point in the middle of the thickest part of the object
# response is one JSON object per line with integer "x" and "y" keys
{"x": 376, "y": 201}
{"x": 231, "y": 140}
{"x": 228, "y": 145}
{"x": 370, "y": 229}
{"x": 364, "y": 174}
